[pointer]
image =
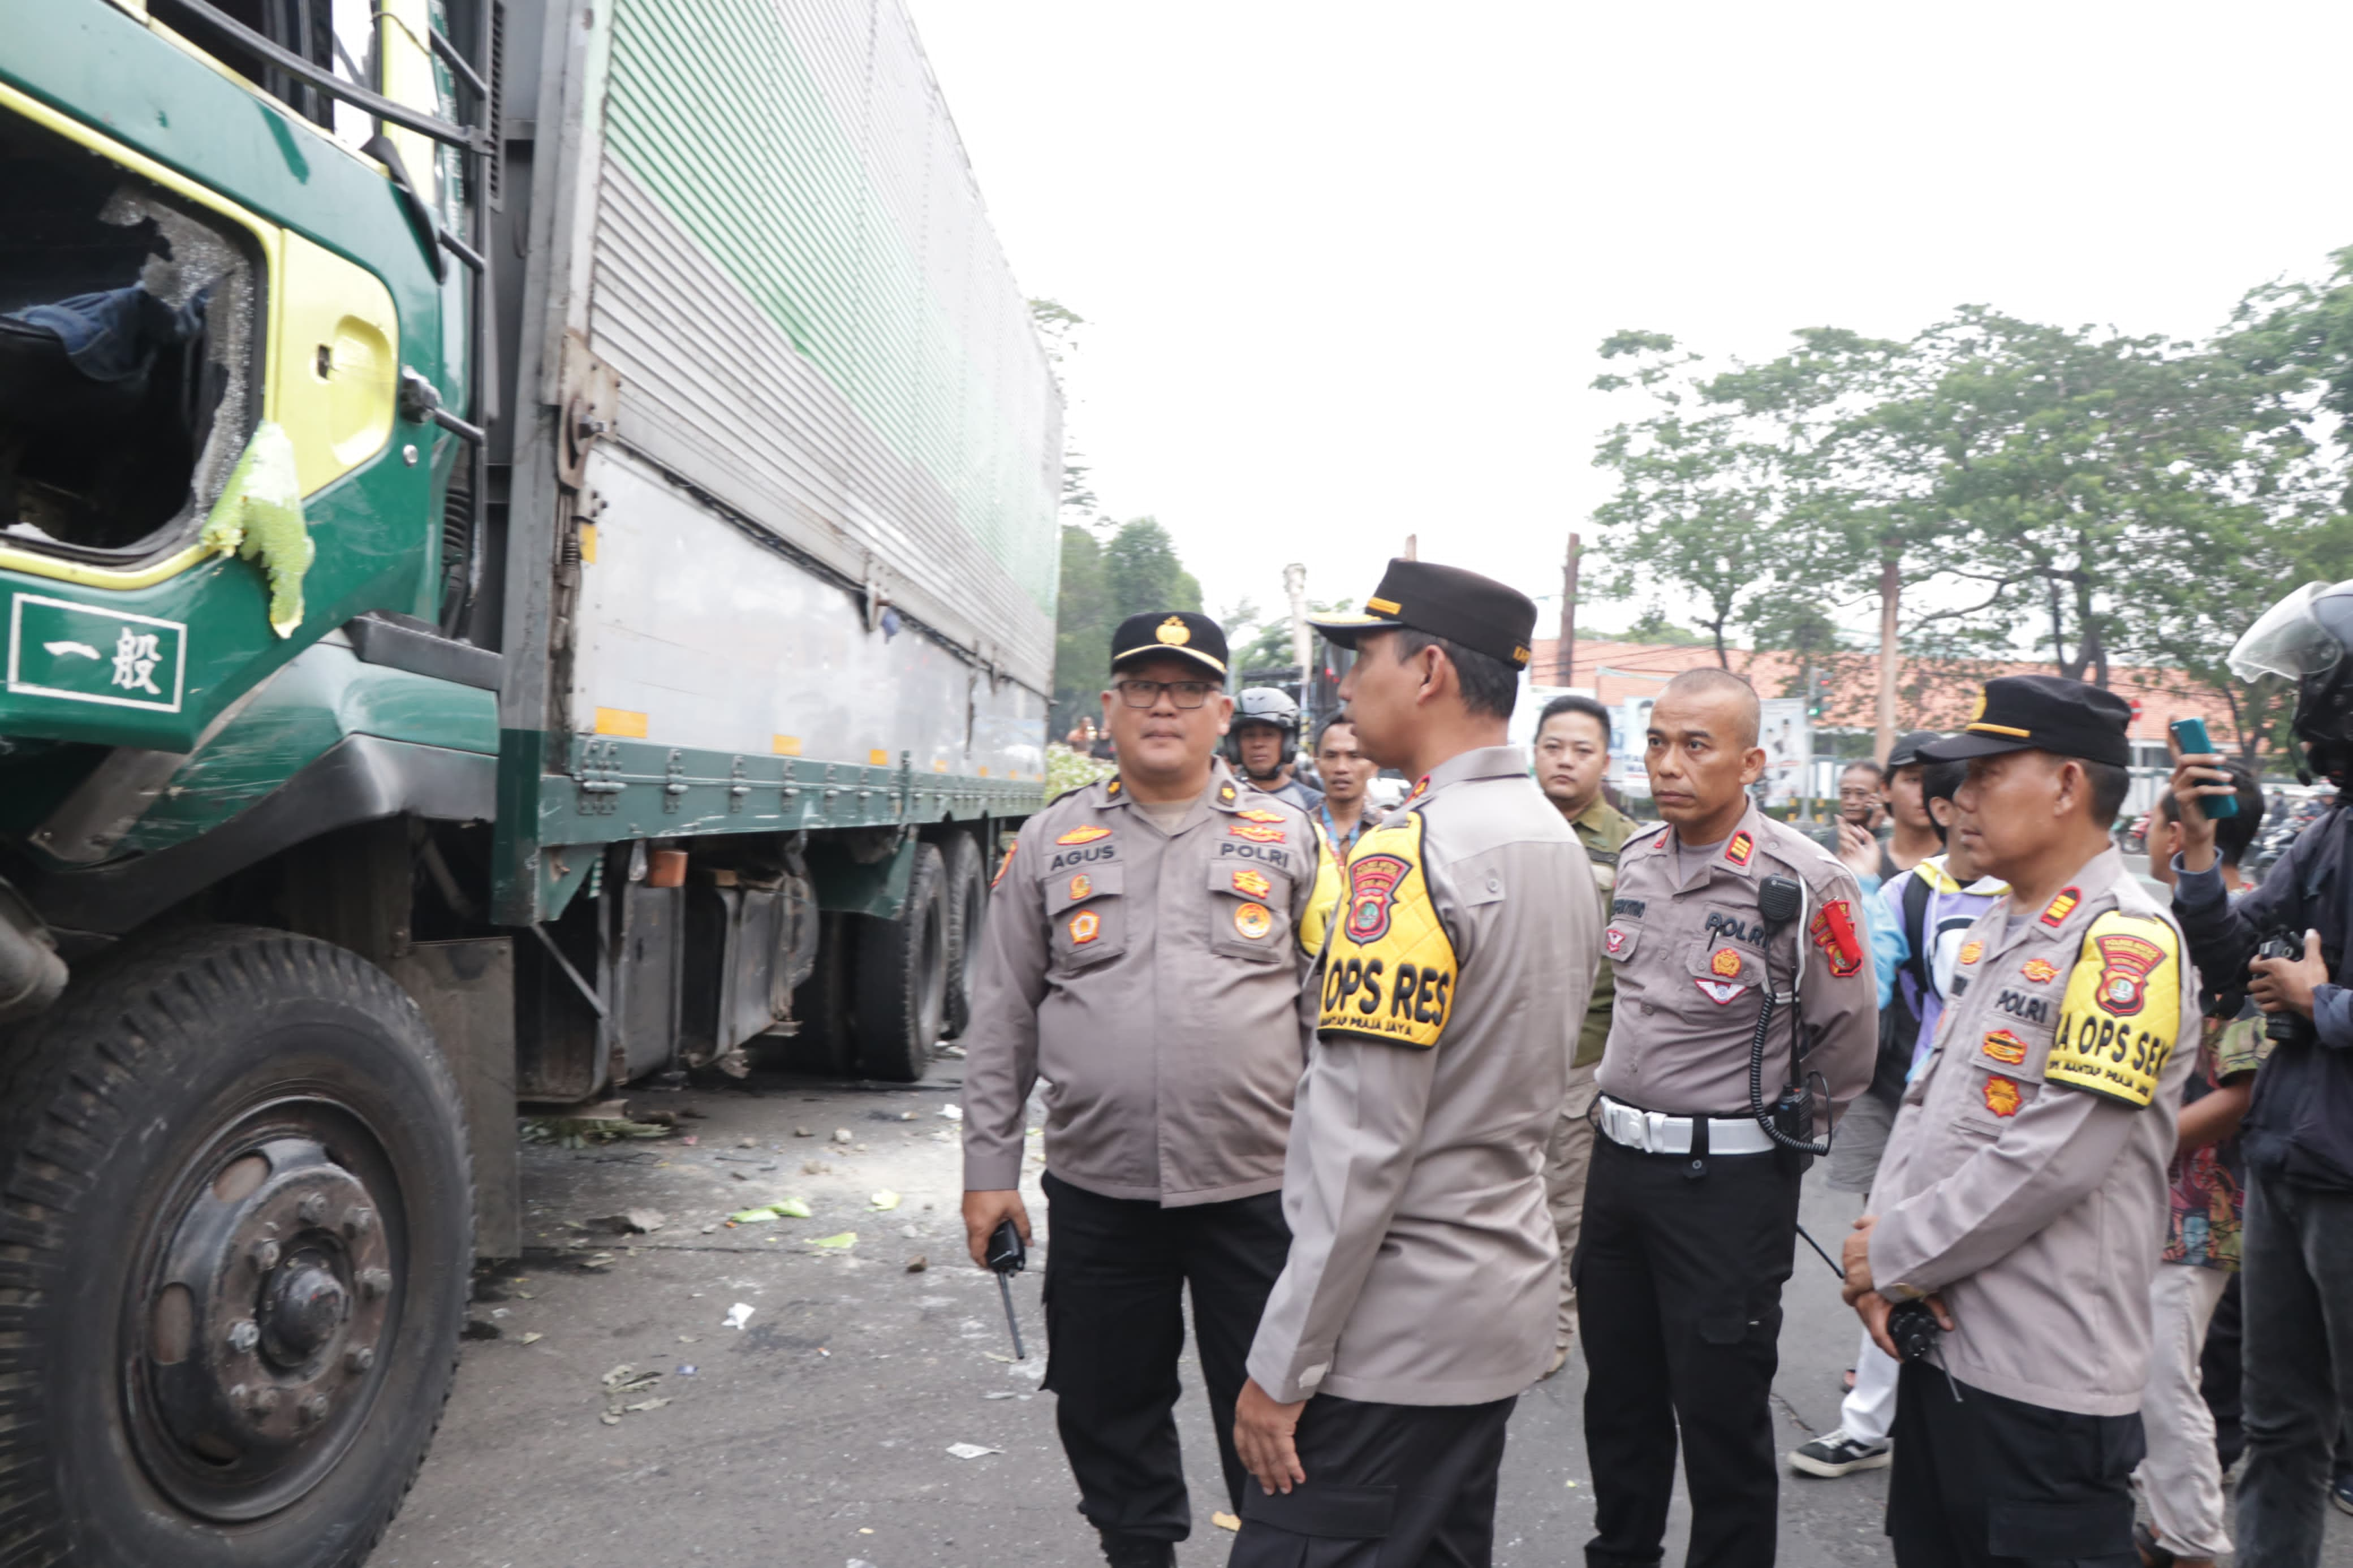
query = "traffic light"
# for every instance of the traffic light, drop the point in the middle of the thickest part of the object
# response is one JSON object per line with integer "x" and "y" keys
{"x": 1818, "y": 692}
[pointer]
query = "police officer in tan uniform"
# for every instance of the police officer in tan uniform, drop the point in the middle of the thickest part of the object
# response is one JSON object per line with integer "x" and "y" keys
{"x": 2024, "y": 1191}
{"x": 1417, "y": 1299}
{"x": 1141, "y": 958}
{"x": 1691, "y": 1209}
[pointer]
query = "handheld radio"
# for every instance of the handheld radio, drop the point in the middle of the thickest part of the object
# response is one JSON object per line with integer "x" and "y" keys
{"x": 1789, "y": 1120}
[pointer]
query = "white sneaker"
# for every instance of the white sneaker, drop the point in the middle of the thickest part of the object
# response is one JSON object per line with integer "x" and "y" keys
{"x": 1836, "y": 1454}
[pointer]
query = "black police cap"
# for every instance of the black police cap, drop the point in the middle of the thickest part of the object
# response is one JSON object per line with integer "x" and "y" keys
{"x": 2041, "y": 713}
{"x": 1464, "y": 607}
{"x": 1906, "y": 750}
{"x": 1178, "y": 633}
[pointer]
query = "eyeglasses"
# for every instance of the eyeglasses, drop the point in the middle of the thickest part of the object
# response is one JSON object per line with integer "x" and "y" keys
{"x": 1183, "y": 693}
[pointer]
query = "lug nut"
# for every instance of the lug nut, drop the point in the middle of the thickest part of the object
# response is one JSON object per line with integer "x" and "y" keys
{"x": 374, "y": 1282}
{"x": 243, "y": 1335}
{"x": 265, "y": 1256}
{"x": 265, "y": 1400}
{"x": 359, "y": 1358}
{"x": 312, "y": 1209}
{"x": 314, "y": 1410}
{"x": 358, "y": 1222}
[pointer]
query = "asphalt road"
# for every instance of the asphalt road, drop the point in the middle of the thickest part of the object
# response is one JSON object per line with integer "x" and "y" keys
{"x": 818, "y": 1435}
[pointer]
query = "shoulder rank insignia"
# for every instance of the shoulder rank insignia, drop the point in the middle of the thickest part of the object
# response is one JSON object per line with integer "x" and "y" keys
{"x": 1086, "y": 835}
{"x": 1255, "y": 814}
{"x": 2122, "y": 1010}
{"x": 1743, "y": 845}
{"x": 1226, "y": 794}
{"x": 1257, "y": 833}
{"x": 1389, "y": 966}
{"x": 2055, "y": 913}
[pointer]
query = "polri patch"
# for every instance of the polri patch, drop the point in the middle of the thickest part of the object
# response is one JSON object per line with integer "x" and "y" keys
{"x": 1086, "y": 835}
{"x": 1253, "y": 920}
{"x": 2123, "y": 974}
{"x": 1255, "y": 832}
{"x": 1832, "y": 929}
{"x": 2001, "y": 1096}
{"x": 2055, "y": 913}
{"x": 1743, "y": 845}
{"x": 2004, "y": 1046}
{"x": 1253, "y": 883}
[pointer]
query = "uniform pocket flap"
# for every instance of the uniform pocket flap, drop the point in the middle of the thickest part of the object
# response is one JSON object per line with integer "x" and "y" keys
{"x": 1327, "y": 1513}
{"x": 1243, "y": 879}
{"x": 1064, "y": 888}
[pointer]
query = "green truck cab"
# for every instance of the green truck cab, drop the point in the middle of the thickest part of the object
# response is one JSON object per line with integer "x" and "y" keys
{"x": 527, "y": 540}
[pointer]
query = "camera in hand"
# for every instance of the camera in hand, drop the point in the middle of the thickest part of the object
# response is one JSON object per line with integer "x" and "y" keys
{"x": 2283, "y": 1027}
{"x": 1914, "y": 1330}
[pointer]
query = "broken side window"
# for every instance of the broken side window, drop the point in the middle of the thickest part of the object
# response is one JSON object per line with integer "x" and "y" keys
{"x": 129, "y": 368}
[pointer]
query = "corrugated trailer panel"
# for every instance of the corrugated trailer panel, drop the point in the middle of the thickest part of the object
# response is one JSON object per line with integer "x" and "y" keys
{"x": 796, "y": 279}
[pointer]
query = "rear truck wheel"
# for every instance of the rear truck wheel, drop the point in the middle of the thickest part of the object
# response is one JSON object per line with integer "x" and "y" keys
{"x": 236, "y": 1230}
{"x": 968, "y": 904}
{"x": 902, "y": 978}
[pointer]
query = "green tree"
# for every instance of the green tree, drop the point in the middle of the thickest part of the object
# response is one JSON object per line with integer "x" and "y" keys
{"x": 1082, "y": 626}
{"x": 1142, "y": 573}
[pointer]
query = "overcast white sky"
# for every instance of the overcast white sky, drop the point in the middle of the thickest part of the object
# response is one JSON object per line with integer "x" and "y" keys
{"x": 1344, "y": 265}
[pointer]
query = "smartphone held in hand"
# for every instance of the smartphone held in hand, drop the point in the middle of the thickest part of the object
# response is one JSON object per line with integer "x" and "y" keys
{"x": 2190, "y": 735}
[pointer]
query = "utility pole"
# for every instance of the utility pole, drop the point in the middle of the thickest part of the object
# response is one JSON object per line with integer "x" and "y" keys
{"x": 1294, "y": 584}
{"x": 1566, "y": 659}
{"x": 1890, "y": 586}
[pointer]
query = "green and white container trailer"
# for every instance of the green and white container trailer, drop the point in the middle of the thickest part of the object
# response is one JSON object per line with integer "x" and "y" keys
{"x": 527, "y": 533}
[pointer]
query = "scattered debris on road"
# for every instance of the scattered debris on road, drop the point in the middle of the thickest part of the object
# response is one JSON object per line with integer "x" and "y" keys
{"x": 739, "y": 1314}
{"x": 971, "y": 1450}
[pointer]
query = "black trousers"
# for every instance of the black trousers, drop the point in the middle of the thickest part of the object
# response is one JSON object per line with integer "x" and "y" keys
{"x": 1116, "y": 1269}
{"x": 1980, "y": 1481}
{"x": 1679, "y": 1273}
{"x": 1389, "y": 1485}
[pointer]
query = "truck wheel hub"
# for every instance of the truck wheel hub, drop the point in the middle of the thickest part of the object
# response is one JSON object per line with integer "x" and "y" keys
{"x": 268, "y": 1302}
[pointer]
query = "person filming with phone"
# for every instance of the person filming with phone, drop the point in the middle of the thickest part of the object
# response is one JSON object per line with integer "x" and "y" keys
{"x": 2284, "y": 944}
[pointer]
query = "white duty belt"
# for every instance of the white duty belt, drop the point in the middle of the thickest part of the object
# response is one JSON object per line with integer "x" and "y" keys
{"x": 1656, "y": 1132}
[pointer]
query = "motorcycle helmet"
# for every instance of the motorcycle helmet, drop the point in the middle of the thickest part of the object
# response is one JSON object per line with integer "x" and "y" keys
{"x": 2305, "y": 638}
{"x": 1266, "y": 705}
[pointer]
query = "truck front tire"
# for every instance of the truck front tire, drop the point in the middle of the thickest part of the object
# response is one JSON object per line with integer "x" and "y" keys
{"x": 236, "y": 1232}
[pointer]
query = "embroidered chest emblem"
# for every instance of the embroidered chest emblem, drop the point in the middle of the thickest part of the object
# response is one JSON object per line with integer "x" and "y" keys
{"x": 2001, "y": 1096}
{"x": 2004, "y": 1046}
{"x": 1256, "y": 815}
{"x": 1086, "y": 835}
{"x": 1255, "y": 832}
{"x": 1085, "y": 926}
{"x": 1081, "y": 886}
{"x": 1253, "y": 921}
{"x": 1719, "y": 991}
{"x": 1254, "y": 883}
{"x": 1971, "y": 952}
{"x": 2041, "y": 971}
{"x": 1724, "y": 963}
